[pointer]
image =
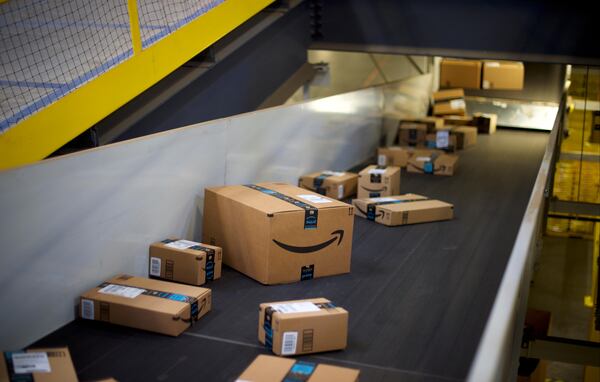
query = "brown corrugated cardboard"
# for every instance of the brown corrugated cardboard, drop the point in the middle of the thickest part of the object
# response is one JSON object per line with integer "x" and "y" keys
{"x": 460, "y": 73}
{"x": 278, "y": 233}
{"x": 268, "y": 368}
{"x": 403, "y": 209}
{"x": 184, "y": 261}
{"x": 333, "y": 184}
{"x": 485, "y": 122}
{"x": 466, "y": 136}
{"x": 38, "y": 365}
{"x": 411, "y": 134}
{"x": 432, "y": 162}
{"x": 302, "y": 326}
{"x": 374, "y": 181}
{"x": 453, "y": 107}
{"x": 458, "y": 120}
{"x": 154, "y": 305}
{"x": 432, "y": 123}
{"x": 443, "y": 139}
{"x": 507, "y": 75}
{"x": 448, "y": 94}
{"x": 394, "y": 156}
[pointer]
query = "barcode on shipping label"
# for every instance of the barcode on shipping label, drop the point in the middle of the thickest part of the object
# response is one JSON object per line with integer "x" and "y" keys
{"x": 87, "y": 309}
{"x": 155, "y": 266}
{"x": 295, "y": 307}
{"x": 383, "y": 199}
{"x": 122, "y": 291}
{"x": 333, "y": 173}
{"x": 316, "y": 199}
{"x": 377, "y": 171}
{"x": 381, "y": 160}
{"x": 442, "y": 139}
{"x": 35, "y": 362}
{"x": 340, "y": 191}
{"x": 457, "y": 104}
{"x": 288, "y": 344}
{"x": 181, "y": 244}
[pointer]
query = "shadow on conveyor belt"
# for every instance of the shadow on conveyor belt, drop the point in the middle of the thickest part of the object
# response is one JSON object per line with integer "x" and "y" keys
{"x": 418, "y": 295}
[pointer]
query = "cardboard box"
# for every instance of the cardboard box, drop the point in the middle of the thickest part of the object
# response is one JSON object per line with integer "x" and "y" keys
{"x": 38, "y": 365}
{"x": 485, "y": 122}
{"x": 466, "y": 136}
{"x": 432, "y": 162}
{"x": 458, "y": 120}
{"x": 453, "y": 107}
{"x": 302, "y": 326}
{"x": 460, "y": 73}
{"x": 443, "y": 139}
{"x": 374, "y": 181}
{"x": 267, "y": 368}
{"x": 154, "y": 305}
{"x": 403, "y": 209}
{"x": 394, "y": 156}
{"x": 447, "y": 95}
{"x": 278, "y": 233}
{"x": 432, "y": 123}
{"x": 335, "y": 185}
{"x": 411, "y": 134}
{"x": 506, "y": 75}
{"x": 185, "y": 261}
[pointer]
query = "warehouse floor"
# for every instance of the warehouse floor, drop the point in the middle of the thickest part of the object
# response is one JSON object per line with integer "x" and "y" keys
{"x": 418, "y": 296}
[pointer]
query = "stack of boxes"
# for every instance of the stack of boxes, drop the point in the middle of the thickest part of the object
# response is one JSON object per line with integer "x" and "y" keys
{"x": 475, "y": 74}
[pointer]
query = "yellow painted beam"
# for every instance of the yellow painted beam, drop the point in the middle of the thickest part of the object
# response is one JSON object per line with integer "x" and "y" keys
{"x": 134, "y": 26}
{"x": 42, "y": 133}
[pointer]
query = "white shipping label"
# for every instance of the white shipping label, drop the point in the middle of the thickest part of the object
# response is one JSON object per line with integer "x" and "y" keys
{"x": 288, "y": 343}
{"x": 122, "y": 291}
{"x": 316, "y": 199}
{"x": 492, "y": 64}
{"x": 441, "y": 139}
{"x": 333, "y": 173}
{"x": 457, "y": 104}
{"x": 25, "y": 363}
{"x": 340, "y": 191}
{"x": 295, "y": 307}
{"x": 381, "y": 160}
{"x": 485, "y": 84}
{"x": 383, "y": 199}
{"x": 155, "y": 263}
{"x": 377, "y": 171}
{"x": 181, "y": 244}
{"x": 423, "y": 159}
{"x": 87, "y": 309}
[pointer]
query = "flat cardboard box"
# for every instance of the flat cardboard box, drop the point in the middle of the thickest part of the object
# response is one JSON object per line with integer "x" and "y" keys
{"x": 460, "y": 74}
{"x": 403, "y": 209}
{"x": 278, "y": 233}
{"x": 453, "y": 107}
{"x": 374, "y": 181}
{"x": 485, "y": 122}
{"x": 466, "y": 136}
{"x": 302, "y": 326}
{"x": 458, "y": 120}
{"x": 394, "y": 156}
{"x": 432, "y": 123}
{"x": 432, "y": 162}
{"x": 411, "y": 134}
{"x": 52, "y": 365}
{"x": 506, "y": 75}
{"x": 185, "y": 261}
{"x": 448, "y": 94}
{"x": 268, "y": 368}
{"x": 333, "y": 184}
{"x": 147, "y": 304}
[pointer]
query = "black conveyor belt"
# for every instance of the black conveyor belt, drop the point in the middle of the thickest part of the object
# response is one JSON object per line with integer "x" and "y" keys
{"x": 418, "y": 296}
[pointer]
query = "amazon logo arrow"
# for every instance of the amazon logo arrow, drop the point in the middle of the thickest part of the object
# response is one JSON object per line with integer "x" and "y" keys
{"x": 338, "y": 235}
{"x": 367, "y": 215}
{"x": 373, "y": 189}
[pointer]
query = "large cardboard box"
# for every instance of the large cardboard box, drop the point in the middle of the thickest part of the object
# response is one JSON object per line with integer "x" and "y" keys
{"x": 38, "y": 365}
{"x": 154, "y": 305}
{"x": 394, "y": 156}
{"x": 374, "y": 181}
{"x": 507, "y": 75}
{"x": 460, "y": 73}
{"x": 432, "y": 123}
{"x": 302, "y": 326}
{"x": 278, "y": 233}
{"x": 447, "y": 95}
{"x": 268, "y": 368}
{"x": 432, "y": 162}
{"x": 411, "y": 134}
{"x": 485, "y": 122}
{"x": 333, "y": 184}
{"x": 452, "y": 107}
{"x": 185, "y": 261}
{"x": 466, "y": 136}
{"x": 403, "y": 209}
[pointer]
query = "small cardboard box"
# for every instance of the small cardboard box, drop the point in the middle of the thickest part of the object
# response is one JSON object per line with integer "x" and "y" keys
{"x": 460, "y": 73}
{"x": 411, "y": 134}
{"x": 185, "y": 261}
{"x": 506, "y": 75}
{"x": 302, "y": 326}
{"x": 44, "y": 365}
{"x": 452, "y": 107}
{"x": 443, "y": 139}
{"x": 432, "y": 123}
{"x": 432, "y": 162}
{"x": 394, "y": 156}
{"x": 278, "y": 233}
{"x": 154, "y": 305}
{"x": 403, "y": 209}
{"x": 268, "y": 368}
{"x": 447, "y": 95}
{"x": 374, "y": 181}
{"x": 485, "y": 122}
{"x": 458, "y": 120}
{"x": 466, "y": 136}
{"x": 335, "y": 185}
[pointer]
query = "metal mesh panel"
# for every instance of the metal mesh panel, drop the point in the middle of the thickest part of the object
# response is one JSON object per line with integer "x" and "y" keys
{"x": 50, "y": 48}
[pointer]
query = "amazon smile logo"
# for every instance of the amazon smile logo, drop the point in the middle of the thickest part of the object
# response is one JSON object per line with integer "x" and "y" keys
{"x": 338, "y": 235}
{"x": 367, "y": 214}
{"x": 373, "y": 189}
